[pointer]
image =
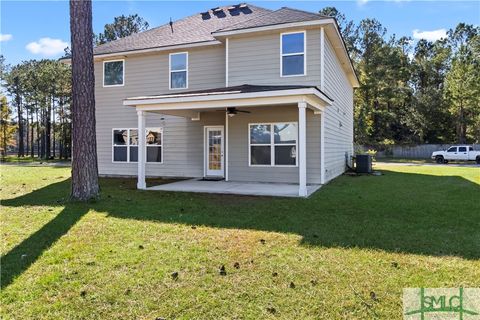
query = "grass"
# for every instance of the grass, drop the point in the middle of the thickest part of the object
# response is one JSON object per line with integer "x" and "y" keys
{"x": 28, "y": 159}
{"x": 114, "y": 258}
{"x": 404, "y": 160}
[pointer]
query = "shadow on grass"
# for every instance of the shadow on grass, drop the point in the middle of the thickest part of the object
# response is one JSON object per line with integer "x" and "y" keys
{"x": 17, "y": 260}
{"x": 396, "y": 212}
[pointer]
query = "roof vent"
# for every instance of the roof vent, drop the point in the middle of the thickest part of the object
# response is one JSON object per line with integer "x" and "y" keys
{"x": 234, "y": 11}
{"x": 205, "y": 15}
{"x": 243, "y": 7}
{"x": 219, "y": 12}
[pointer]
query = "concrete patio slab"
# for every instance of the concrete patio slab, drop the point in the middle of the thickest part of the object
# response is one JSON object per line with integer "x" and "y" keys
{"x": 239, "y": 188}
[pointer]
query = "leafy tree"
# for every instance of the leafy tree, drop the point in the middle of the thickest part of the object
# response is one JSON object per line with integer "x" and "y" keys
{"x": 430, "y": 97}
{"x": 3, "y": 70}
{"x": 371, "y": 70}
{"x": 7, "y": 129}
{"x": 15, "y": 81}
{"x": 428, "y": 116}
{"x": 462, "y": 87}
{"x": 45, "y": 93}
{"x": 84, "y": 157}
{"x": 121, "y": 27}
{"x": 348, "y": 29}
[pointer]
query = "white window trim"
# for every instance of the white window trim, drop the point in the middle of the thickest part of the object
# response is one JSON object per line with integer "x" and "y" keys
{"x": 121, "y": 146}
{"x": 123, "y": 76}
{"x": 272, "y": 145}
{"x": 170, "y": 70}
{"x": 294, "y": 54}
{"x": 154, "y": 145}
{"x": 129, "y": 145}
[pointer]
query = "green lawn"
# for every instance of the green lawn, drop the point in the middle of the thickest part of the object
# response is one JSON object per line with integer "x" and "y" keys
{"x": 27, "y": 159}
{"x": 318, "y": 258}
{"x": 402, "y": 160}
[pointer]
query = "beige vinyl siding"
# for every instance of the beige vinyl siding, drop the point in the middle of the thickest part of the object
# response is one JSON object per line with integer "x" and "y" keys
{"x": 256, "y": 60}
{"x": 148, "y": 75}
{"x": 338, "y": 138}
{"x": 238, "y": 165}
{"x": 182, "y": 147}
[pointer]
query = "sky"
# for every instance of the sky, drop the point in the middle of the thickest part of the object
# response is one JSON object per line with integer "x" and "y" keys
{"x": 40, "y": 29}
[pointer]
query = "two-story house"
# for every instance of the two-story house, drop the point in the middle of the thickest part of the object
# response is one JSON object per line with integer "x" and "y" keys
{"x": 239, "y": 93}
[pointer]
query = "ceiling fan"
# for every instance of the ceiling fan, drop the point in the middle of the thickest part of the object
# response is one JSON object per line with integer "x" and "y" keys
{"x": 231, "y": 111}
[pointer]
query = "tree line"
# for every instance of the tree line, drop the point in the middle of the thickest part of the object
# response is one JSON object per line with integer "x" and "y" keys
{"x": 40, "y": 96}
{"x": 409, "y": 94}
{"x": 40, "y": 99}
{"x": 413, "y": 94}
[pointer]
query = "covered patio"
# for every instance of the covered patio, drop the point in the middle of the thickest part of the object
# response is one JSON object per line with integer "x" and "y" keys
{"x": 237, "y": 188}
{"x": 195, "y": 105}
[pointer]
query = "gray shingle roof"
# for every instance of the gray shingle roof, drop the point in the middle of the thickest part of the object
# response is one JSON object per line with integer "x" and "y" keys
{"x": 280, "y": 16}
{"x": 193, "y": 29}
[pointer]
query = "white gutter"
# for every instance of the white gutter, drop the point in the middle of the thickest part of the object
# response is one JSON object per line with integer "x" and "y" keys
{"x": 152, "y": 50}
{"x": 322, "y": 59}
{"x": 274, "y": 27}
{"x": 226, "y": 62}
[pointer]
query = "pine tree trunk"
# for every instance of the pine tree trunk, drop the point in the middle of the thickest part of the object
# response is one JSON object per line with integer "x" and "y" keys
{"x": 38, "y": 133}
{"x": 18, "y": 101}
{"x": 42, "y": 132}
{"x": 48, "y": 129}
{"x": 60, "y": 129}
{"x": 69, "y": 140}
{"x": 27, "y": 126}
{"x": 31, "y": 135}
{"x": 53, "y": 128}
{"x": 84, "y": 146}
{"x": 4, "y": 142}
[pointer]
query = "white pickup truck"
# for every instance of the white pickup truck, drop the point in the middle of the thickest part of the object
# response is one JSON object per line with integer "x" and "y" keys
{"x": 457, "y": 153}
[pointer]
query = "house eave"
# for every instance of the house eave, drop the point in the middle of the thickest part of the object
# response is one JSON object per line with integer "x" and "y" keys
{"x": 272, "y": 27}
{"x": 316, "y": 99}
{"x": 126, "y": 53}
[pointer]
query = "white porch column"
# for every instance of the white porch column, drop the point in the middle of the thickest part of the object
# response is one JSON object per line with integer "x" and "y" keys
{"x": 225, "y": 157}
{"x": 141, "y": 184}
{"x": 302, "y": 146}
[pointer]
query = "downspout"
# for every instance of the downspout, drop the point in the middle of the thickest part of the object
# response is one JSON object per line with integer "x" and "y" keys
{"x": 322, "y": 119}
{"x": 226, "y": 62}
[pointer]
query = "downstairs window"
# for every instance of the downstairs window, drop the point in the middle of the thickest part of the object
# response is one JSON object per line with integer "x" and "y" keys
{"x": 125, "y": 145}
{"x": 273, "y": 144}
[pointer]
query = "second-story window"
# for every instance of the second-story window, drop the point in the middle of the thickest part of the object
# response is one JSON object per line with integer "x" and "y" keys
{"x": 113, "y": 73}
{"x": 179, "y": 70}
{"x": 293, "y": 54}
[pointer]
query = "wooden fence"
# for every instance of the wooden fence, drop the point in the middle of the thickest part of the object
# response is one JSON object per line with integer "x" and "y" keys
{"x": 421, "y": 151}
